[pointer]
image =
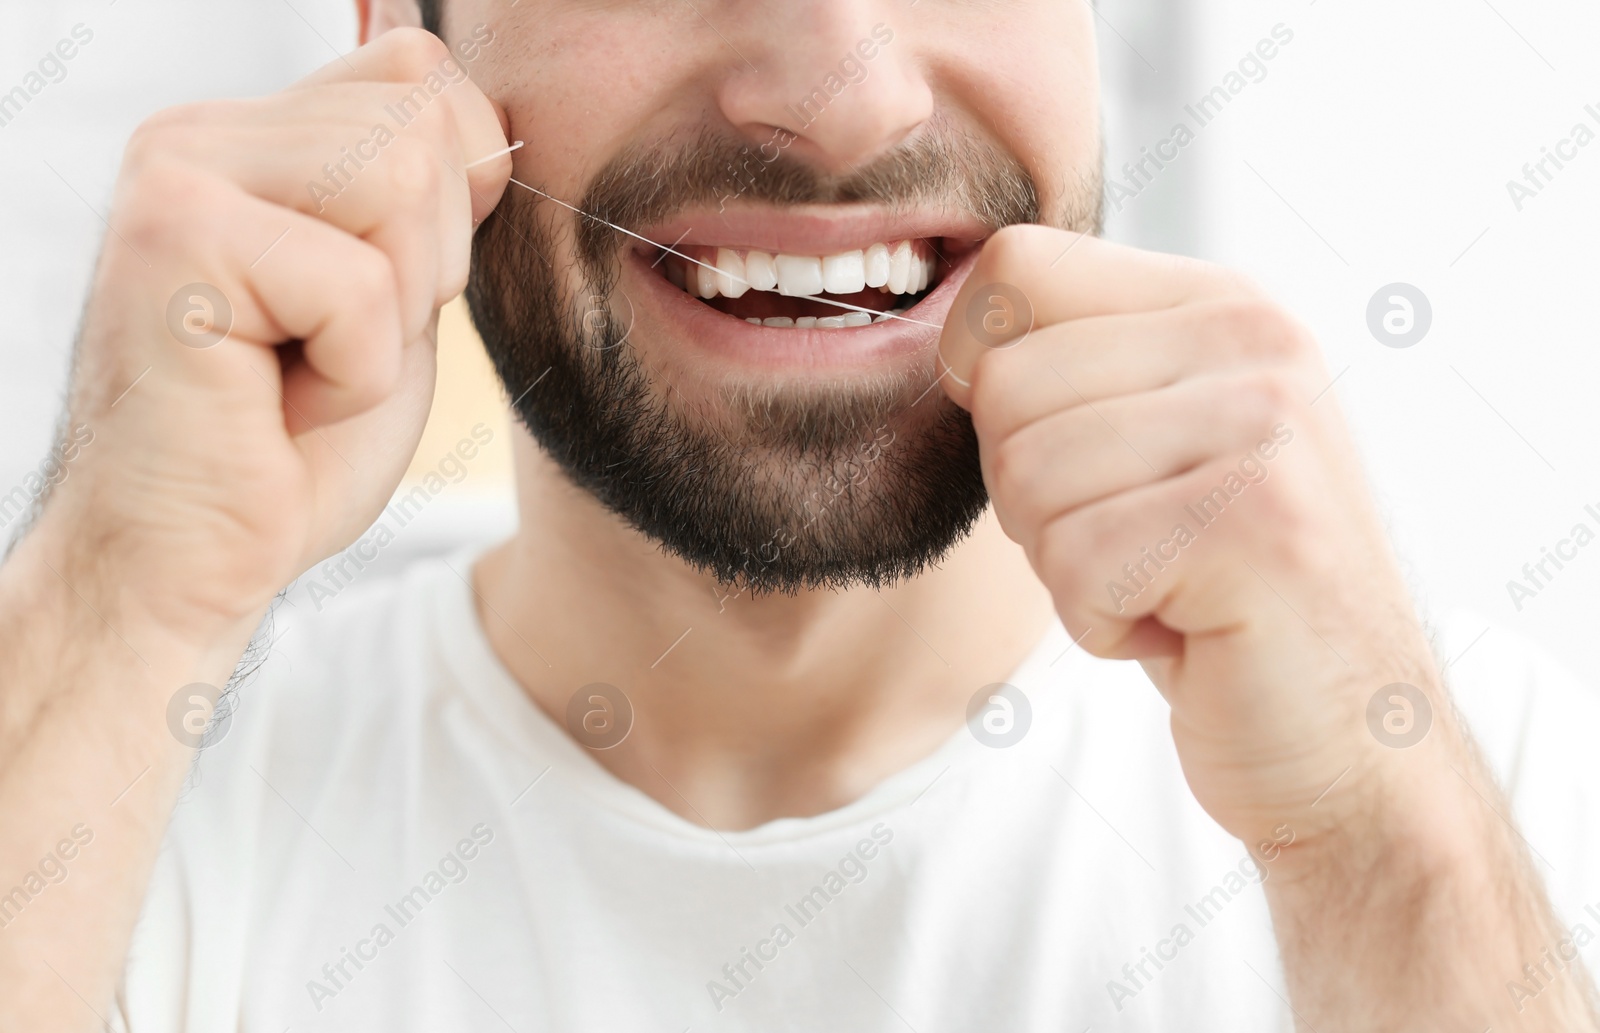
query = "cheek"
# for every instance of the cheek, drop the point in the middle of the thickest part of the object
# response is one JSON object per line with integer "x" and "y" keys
{"x": 1028, "y": 76}
{"x": 581, "y": 87}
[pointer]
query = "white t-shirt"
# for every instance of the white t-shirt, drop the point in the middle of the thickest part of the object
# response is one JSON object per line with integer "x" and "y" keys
{"x": 391, "y": 836}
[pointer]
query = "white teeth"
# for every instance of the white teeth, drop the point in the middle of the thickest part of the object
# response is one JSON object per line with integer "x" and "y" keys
{"x": 900, "y": 268}
{"x": 848, "y": 319}
{"x": 759, "y": 271}
{"x": 844, "y": 274}
{"x": 798, "y": 276}
{"x": 730, "y": 273}
{"x": 876, "y": 265}
{"x": 705, "y": 281}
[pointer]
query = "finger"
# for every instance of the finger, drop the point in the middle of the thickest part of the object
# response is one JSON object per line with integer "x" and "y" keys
{"x": 335, "y": 294}
{"x": 485, "y": 141}
{"x": 426, "y": 74}
{"x": 1079, "y": 456}
{"x": 1114, "y": 567}
{"x": 320, "y": 153}
{"x": 406, "y": 53}
{"x": 1086, "y": 361}
{"x": 1035, "y": 276}
{"x": 350, "y": 324}
{"x": 418, "y": 58}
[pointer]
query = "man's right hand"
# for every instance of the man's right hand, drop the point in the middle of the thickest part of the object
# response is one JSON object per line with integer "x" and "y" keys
{"x": 220, "y": 470}
{"x": 220, "y": 467}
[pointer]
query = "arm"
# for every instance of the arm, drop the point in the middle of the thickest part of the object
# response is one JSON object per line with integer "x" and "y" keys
{"x": 89, "y": 775}
{"x": 1431, "y": 920}
{"x": 1163, "y": 444}
{"x": 256, "y": 364}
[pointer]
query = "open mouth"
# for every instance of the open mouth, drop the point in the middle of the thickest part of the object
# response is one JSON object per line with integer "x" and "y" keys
{"x": 792, "y": 291}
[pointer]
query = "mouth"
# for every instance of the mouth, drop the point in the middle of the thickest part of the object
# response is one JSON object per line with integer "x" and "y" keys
{"x": 802, "y": 291}
{"x": 843, "y": 290}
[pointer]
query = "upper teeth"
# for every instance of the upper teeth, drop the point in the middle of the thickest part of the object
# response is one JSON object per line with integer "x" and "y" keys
{"x": 898, "y": 268}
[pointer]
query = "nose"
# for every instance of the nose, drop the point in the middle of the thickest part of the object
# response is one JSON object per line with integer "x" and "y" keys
{"x": 835, "y": 73}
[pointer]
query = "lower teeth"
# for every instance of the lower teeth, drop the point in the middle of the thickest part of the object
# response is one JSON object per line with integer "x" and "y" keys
{"x": 851, "y": 319}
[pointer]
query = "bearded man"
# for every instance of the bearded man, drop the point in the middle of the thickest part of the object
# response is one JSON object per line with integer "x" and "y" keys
{"x": 924, "y": 614}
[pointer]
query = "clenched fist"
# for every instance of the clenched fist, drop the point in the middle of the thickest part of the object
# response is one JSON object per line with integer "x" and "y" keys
{"x": 257, "y": 355}
{"x": 1159, "y": 438}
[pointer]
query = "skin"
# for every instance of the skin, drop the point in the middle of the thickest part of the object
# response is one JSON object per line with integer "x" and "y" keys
{"x": 1404, "y": 901}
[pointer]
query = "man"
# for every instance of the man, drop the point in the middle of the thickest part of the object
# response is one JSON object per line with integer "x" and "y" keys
{"x": 765, "y": 718}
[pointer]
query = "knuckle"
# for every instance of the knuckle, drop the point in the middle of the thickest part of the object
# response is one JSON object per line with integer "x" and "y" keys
{"x": 411, "y": 171}
{"x": 1012, "y": 248}
{"x": 160, "y": 205}
{"x": 1295, "y": 540}
{"x": 1274, "y": 394}
{"x": 414, "y": 52}
{"x": 1260, "y": 329}
{"x": 989, "y": 390}
{"x": 1008, "y": 462}
{"x": 1059, "y": 554}
{"x": 370, "y": 279}
{"x": 152, "y": 139}
{"x": 175, "y": 128}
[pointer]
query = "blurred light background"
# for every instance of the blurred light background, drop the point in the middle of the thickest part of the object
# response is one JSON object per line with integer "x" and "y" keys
{"x": 1374, "y": 147}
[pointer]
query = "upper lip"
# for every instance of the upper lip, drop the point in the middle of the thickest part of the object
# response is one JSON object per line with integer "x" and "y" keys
{"x": 812, "y": 229}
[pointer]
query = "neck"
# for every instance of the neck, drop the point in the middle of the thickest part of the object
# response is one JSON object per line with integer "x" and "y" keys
{"x": 748, "y": 708}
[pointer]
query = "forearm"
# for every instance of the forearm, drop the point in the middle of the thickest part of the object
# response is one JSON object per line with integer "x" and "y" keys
{"x": 89, "y": 770}
{"x": 1426, "y": 919}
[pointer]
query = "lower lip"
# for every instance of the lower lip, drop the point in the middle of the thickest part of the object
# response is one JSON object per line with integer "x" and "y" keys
{"x": 731, "y": 338}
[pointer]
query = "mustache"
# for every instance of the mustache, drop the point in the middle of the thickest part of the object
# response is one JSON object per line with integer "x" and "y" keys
{"x": 942, "y": 166}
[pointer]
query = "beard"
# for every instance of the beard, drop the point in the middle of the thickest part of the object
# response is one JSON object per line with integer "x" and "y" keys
{"x": 776, "y": 488}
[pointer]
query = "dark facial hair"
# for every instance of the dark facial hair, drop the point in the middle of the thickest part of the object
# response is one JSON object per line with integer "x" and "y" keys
{"x": 779, "y": 489}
